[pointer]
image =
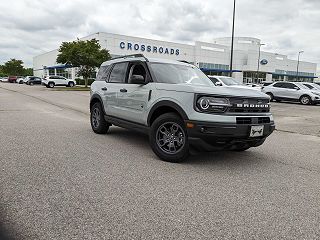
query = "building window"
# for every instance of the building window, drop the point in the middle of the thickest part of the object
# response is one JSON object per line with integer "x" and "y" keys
{"x": 253, "y": 77}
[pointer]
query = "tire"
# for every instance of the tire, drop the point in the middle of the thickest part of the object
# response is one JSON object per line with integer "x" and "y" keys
{"x": 305, "y": 100}
{"x": 51, "y": 84}
{"x": 31, "y": 84}
{"x": 172, "y": 146}
{"x": 98, "y": 124}
{"x": 271, "y": 96}
{"x": 71, "y": 84}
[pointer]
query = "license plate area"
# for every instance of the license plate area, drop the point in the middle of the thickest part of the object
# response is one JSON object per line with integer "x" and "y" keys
{"x": 256, "y": 131}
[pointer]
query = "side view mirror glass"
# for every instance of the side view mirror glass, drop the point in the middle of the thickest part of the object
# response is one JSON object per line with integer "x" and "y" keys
{"x": 218, "y": 84}
{"x": 296, "y": 88}
{"x": 137, "y": 79}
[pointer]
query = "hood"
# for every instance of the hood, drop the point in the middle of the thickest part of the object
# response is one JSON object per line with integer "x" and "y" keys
{"x": 214, "y": 90}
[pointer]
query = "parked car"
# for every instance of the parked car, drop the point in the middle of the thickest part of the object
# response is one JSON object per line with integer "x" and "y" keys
{"x": 312, "y": 86}
{"x": 4, "y": 79}
{"x": 12, "y": 79}
{"x": 264, "y": 84}
{"x": 178, "y": 106}
{"x": 255, "y": 86}
{"x": 292, "y": 91}
{"x": 228, "y": 82}
{"x": 52, "y": 81}
{"x": 20, "y": 79}
{"x": 33, "y": 80}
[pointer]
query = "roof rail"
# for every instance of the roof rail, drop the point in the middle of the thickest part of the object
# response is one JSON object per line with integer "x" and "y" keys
{"x": 132, "y": 56}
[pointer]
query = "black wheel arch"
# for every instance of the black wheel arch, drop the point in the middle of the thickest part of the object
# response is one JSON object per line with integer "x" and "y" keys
{"x": 94, "y": 99}
{"x": 165, "y": 106}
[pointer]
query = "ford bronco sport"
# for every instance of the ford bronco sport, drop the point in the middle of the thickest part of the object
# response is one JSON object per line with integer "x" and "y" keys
{"x": 178, "y": 106}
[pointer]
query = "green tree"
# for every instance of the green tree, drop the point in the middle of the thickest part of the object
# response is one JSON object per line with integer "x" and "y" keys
{"x": 86, "y": 55}
{"x": 13, "y": 67}
{"x": 28, "y": 72}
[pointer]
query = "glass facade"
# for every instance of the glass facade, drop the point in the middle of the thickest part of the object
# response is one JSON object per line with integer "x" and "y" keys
{"x": 213, "y": 66}
{"x": 254, "y": 77}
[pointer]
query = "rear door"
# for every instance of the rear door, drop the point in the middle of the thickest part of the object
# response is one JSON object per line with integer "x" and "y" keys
{"x": 133, "y": 98}
{"x": 292, "y": 91}
{"x": 117, "y": 78}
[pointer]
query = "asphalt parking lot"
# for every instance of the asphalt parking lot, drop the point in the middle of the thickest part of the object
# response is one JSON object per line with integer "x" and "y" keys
{"x": 59, "y": 180}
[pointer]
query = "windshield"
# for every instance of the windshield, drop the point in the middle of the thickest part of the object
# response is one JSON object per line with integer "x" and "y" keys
{"x": 230, "y": 81}
{"x": 175, "y": 74}
{"x": 302, "y": 86}
{"x": 313, "y": 86}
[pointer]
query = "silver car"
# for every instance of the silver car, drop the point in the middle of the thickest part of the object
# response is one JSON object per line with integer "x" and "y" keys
{"x": 292, "y": 91}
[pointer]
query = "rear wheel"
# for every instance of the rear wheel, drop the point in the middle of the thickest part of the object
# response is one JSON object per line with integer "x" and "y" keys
{"x": 31, "y": 83}
{"x": 168, "y": 138}
{"x": 305, "y": 100}
{"x": 98, "y": 123}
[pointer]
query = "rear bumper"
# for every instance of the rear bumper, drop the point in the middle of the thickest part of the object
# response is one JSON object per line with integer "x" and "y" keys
{"x": 208, "y": 136}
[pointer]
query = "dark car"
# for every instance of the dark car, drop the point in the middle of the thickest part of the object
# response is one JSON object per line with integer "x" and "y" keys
{"x": 12, "y": 79}
{"x": 33, "y": 80}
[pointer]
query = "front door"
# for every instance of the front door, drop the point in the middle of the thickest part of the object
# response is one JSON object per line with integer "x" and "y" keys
{"x": 133, "y": 98}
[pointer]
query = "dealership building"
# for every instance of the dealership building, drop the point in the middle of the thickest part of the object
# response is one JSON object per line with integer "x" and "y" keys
{"x": 250, "y": 65}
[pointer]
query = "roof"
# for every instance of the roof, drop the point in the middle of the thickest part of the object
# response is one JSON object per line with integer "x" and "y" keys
{"x": 142, "y": 58}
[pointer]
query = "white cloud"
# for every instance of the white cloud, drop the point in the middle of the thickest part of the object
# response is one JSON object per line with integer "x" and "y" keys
{"x": 29, "y": 28}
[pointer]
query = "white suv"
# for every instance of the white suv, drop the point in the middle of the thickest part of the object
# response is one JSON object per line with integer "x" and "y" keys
{"x": 178, "y": 106}
{"x": 52, "y": 81}
{"x": 230, "y": 82}
{"x": 292, "y": 91}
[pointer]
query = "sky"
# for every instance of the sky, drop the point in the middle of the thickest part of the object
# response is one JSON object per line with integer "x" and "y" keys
{"x": 29, "y": 28}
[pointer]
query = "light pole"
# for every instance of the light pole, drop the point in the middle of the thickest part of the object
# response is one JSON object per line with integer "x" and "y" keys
{"x": 232, "y": 37}
{"x": 258, "y": 68}
{"x": 298, "y": 65}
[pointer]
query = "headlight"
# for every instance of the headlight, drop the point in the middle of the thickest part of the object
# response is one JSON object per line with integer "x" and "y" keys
{"x": 316, "y": 93}
{"x": 212, "y": 104}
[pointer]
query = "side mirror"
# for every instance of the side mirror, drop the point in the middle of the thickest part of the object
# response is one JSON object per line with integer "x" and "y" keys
{"x": 137, "y": 79}
{"x": 296, "y": 88}
{"x": 218, "y": 84}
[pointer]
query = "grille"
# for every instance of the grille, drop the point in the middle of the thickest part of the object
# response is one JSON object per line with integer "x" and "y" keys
{"x": 256, "y": 120}
{"x": 241, "y": 105}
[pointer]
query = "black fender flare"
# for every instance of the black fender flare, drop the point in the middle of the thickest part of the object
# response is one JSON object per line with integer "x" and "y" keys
{"x": 96, "y": 97}
{"x": 167, "y": 103}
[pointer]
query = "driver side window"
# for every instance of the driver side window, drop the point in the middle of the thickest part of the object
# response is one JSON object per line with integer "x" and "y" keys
{"x": 137, "y": 69}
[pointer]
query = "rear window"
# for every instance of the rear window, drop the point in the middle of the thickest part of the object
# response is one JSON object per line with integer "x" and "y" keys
{"x": 103, "y": 73}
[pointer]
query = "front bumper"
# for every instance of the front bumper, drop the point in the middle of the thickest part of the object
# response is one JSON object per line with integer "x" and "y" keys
{"x": 208, "y": 136}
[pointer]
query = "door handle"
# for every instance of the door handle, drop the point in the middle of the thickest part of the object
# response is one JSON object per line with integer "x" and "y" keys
{"x": 123, "y": 90}
{"x": 104, "y": 89}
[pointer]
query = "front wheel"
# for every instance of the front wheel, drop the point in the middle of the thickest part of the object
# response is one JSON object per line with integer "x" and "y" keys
{"x": 50, "y": 84}
{"x": 71, "y": 84}
{"x": 305, "y": 100}
{"x": 169, "y": 139}
{"x": 98, "y": 123}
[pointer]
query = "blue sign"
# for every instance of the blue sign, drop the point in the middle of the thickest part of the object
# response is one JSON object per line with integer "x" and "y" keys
{"x": 148, "y": 48}
{"x": 264, "y": 62}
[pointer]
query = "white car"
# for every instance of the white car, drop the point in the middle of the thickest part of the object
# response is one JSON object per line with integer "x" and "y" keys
{"x": 4, "y": 79}
{"x": 52, "y": 81}
{"x": 312, "y": 86}
{"x": 292, "y": 91}
{"x": 229, "y": 82}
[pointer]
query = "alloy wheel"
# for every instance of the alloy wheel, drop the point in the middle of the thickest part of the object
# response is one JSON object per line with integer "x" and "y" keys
{"x": 96, "y": 117}
{"x": 170, "y": 138}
